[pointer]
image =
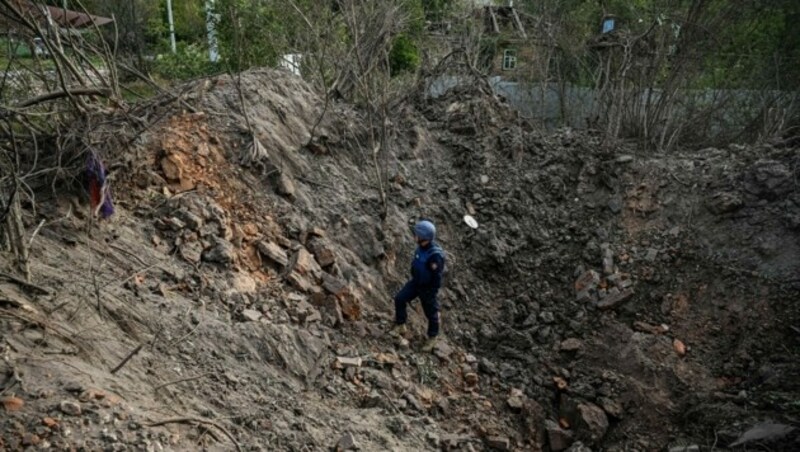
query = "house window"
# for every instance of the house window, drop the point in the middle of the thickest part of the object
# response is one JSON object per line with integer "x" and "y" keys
{"x": 509, "y": 59}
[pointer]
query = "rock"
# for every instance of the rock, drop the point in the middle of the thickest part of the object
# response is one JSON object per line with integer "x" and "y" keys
{"x": 71, "y": 408}
{"x": 769, "y": 179}
{"x": 12, "y": 403}
{"x": 172, "y": 166}
{"x": 571, "y": 345}
{"x": 650, "y": 329}
{"x": 651, "y": 255}
{"x": 499, "y": 442}
{"x": 442, "y": 350}
{"x": 350, "y": 306}
{"x": 299, "y": 282}
{"x": 558, "y": 438}
{"x": 221, "y": 252}
{"x": 679, "y": 347}
{"x": 305, "y": 264}
{"x": 516, "y": 400}
{"x": 251, "y": 315}
{"x": 273, "y": 252}
{"x": 471, "y": 379}
{"x": 49, "y": 422}
{"x": 487, "y": 367}
{"x": 612, "y": 407}
{"x": 547, "y": 317}
{"x": 763, "y": 433}
{"x": 587, "y": 281}
{"x": 342, "y": 361}
{"x": 614, "y": 298}
{"x": 725, "y": 202}
{"x": 332, "y": 313}
{"x": 314, "y": 316}
{"x": 453, "y": 441}
{"x": 334, "y": 285}
{"x": 306, "y": 312}
{"x": 592, "y": 419}
{"x": 615, "y": 205}
{"x": 586, "y": 296}
{"x": 322, "y": 251}
{"x": 372, "y": 400}
{"x": 687, "y": 448}
{"x": 29, "y": 439}
{"x": 243, "y": 283}
{"x": 443, "y": 405}
{"x": 414, "y": 402}
{"x": 346, "y": 442}
{"x": 192, "y": 221}
{"x": 191, "y": 252}
{"x": 285, "y": 186}
{"x": 578, "y": 447}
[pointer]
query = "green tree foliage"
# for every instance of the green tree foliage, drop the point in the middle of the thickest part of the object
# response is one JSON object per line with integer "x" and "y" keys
{"x": 404, "y": 56}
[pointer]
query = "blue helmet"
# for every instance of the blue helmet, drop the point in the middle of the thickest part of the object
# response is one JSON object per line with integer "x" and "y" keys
{"x": 425, "y": 230}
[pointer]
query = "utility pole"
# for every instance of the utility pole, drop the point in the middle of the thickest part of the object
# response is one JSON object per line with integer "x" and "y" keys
{"x": 213, "y": 52}
{"x": 171, "y": 27}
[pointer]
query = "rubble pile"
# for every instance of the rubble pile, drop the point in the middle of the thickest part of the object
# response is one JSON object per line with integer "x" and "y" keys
{"x": 609, "y": 299}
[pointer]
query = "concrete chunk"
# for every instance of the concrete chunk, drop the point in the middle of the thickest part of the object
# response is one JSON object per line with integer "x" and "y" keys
{"x": 344, "y": 361}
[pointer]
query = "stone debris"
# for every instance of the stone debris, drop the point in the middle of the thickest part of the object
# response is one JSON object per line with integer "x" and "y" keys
{"x": 612, "y": 407}
{"x": 221, "y": 251}
{"x": 251, "y": 315}
{"x": 587, "y": 281}
{"x": 344, "y": 362}
{"x": 570, "y": 345}
{"x": 273, "y": 252}
{"x": 763, "y": 433}
{"x": 615, "y": 298}
{"x": 592, "y": 419}
{"x": 650, "y": 329}
{"x": 550, "y": 202}
{"x": 516, "y": 399}
{"x": 11, "y": 403}
{"x": 558, "y": 438}
{"x": 679, "y": 346}
{"x": 322, "y": 251}
{"x": 686, "y": 448}
{"x": 346, "y": 442}
{"x": 305, "y": 264}
{"x": 414, "y": 402}
{"x": 498, "y": 442}
{"x": 285, "y": 186}
{"x": 71, "y": 408}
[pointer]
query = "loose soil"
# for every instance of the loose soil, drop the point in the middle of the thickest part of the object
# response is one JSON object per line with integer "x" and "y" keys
{"x": 610, "y": 299}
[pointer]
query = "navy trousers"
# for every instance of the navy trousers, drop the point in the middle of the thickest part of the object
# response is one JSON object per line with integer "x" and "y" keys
{"x": 429, "y": 304}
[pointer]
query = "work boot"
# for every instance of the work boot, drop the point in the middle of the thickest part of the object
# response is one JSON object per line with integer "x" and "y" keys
{"x": 398, "y": 330}
{"x": 430, "y": 344}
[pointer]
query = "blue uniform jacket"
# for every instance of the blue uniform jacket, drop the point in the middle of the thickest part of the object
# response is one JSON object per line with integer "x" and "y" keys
{"x": 428, "y": 266}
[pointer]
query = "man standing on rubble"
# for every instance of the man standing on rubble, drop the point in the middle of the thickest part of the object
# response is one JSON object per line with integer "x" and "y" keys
{"x": 426, "y": 279}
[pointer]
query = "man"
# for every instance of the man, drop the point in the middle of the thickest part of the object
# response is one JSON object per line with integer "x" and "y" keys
{"x": 426, "y": 279}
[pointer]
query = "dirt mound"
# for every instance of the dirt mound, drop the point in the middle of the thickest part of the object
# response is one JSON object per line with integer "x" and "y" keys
{"x": 614, "y": 300}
